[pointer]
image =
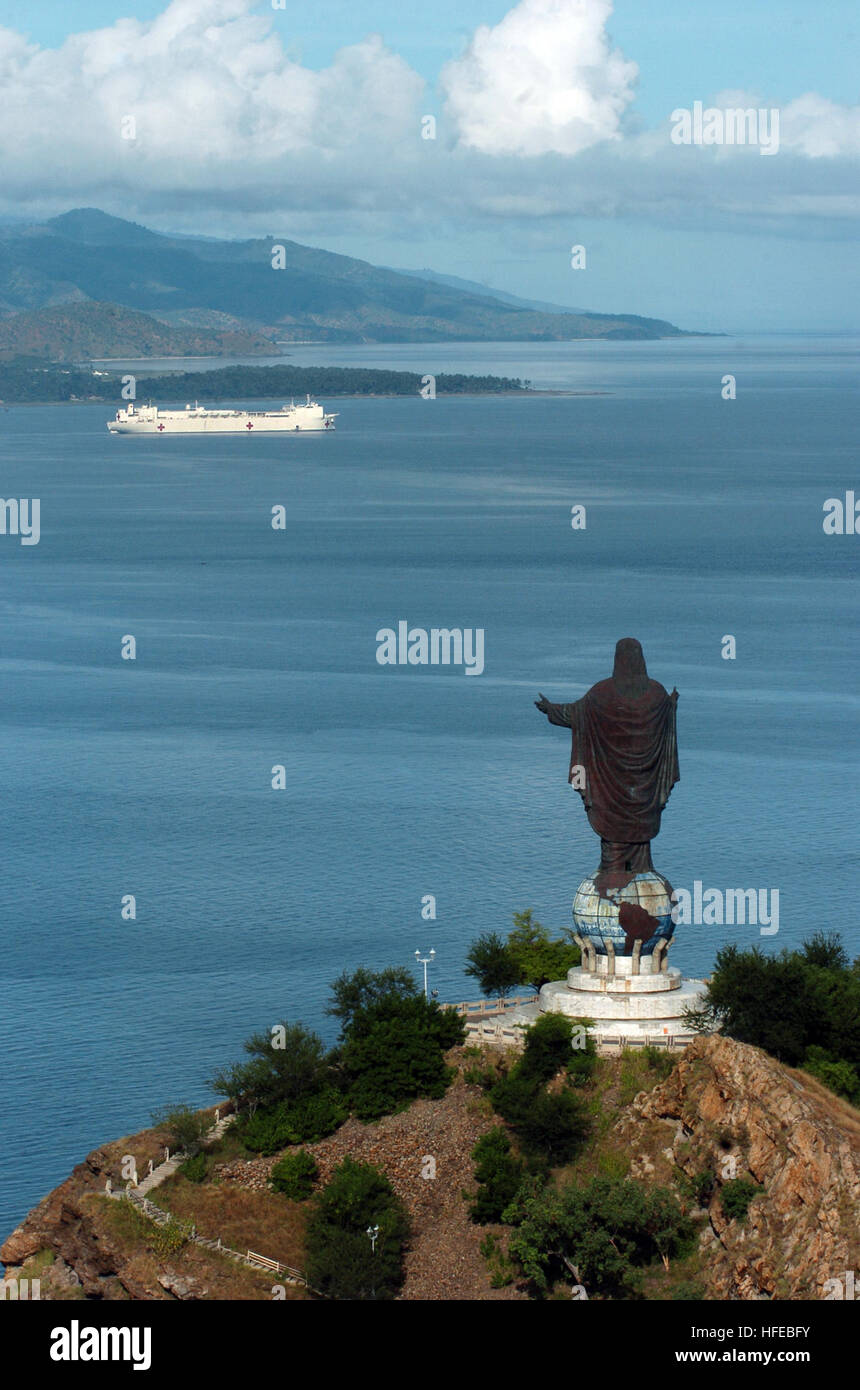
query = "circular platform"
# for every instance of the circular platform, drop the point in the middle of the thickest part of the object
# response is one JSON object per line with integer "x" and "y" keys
{"x": 626, "y": 1010}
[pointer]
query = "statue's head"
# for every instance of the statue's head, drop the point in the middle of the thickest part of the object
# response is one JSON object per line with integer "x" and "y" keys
{"x": 629, "y": 672}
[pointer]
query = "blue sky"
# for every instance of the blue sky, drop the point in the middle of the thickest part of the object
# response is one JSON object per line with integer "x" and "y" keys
{"x": 313, "y": 133}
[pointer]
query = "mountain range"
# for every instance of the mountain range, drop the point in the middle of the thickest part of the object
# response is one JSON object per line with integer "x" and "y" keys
{"x": 86, "y": 284}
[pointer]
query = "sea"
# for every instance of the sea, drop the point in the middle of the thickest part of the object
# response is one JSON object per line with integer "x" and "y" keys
{"x": 418, "y": 806}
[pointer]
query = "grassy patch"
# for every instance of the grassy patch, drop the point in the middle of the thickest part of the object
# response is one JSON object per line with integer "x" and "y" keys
{"x": 216, "y": 1276}
{"x": 133, "y": 1226}
{"x": 262, "y": 1221}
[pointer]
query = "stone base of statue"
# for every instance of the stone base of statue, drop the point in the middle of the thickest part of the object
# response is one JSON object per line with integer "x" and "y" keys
{"x": 632, "y": 999}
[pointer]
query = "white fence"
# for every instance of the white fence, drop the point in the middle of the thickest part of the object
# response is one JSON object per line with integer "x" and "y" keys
{"x": 493, "y": 1030}
{"x": 475, "y": 1007}
{"x": 251, "y": 1258}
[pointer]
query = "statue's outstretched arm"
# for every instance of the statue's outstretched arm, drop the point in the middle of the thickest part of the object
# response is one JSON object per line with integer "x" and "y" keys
{"x": 556, "y": 714}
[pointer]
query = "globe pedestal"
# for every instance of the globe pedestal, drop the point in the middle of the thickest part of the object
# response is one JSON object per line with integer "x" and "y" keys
{"x": 625, "y": 988}
{"x": 625, "y": 984}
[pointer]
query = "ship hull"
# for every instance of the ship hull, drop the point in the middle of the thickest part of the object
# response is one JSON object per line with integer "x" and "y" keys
{"x": 215, "y": 426}
{"x": 308, "y": 418}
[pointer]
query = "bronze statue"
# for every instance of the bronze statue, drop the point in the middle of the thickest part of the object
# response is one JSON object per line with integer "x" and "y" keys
{"x": 624, "y": 763}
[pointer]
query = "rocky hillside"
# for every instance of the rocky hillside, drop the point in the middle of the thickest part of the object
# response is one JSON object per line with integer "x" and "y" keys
{"x": 726, "y": 1110}
{"x": 733, "y": 1110}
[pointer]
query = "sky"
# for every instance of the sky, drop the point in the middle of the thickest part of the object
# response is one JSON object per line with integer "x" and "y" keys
{"x": 553, "y": 128}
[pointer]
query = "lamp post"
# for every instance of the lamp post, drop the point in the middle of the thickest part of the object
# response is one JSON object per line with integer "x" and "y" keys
{"x": 425, "y": 961}
{"x": 373, "y": 1232}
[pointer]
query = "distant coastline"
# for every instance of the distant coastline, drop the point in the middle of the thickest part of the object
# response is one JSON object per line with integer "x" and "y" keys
{"x": 28, "y": 382}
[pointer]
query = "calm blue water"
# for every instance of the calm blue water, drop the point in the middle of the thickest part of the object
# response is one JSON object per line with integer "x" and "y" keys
{"x": 257, "y": 647}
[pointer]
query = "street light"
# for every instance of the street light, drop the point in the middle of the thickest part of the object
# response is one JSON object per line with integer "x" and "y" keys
{"x": 373, "y": 1232}
{"x": 425, "y": 961}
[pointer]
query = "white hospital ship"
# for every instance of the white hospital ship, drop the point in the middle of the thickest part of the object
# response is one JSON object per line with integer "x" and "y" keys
{"x": 149, "y": 419}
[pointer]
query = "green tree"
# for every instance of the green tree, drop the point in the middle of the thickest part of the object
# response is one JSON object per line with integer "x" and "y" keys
{"x": 286, "y": 1065}
{"x": 341, "y": 1259}
{"x": 362, "y": 989}
{"x": 786, "y": 1003}
{"x": 490, "y": 962}
{"x": 538, "y": 957}
{"x": 825, "y": 949}
{"x": 556, "y": 1125}
{"x": 395, "y": 1050}
{"x": 548, "y": 1047}
{"x": 759, "y": 999}
{"x": 498, "y": 1174}
{"x": 607, "y": 1231}
{"x": 839, "y": 1076}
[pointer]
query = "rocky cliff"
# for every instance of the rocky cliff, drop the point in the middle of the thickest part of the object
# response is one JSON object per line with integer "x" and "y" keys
{"x": 733, "y": 1112}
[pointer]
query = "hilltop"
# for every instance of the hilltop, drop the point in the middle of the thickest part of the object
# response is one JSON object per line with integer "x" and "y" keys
{"x": 725, "y": 1109}
{"x": 231, "y": 286}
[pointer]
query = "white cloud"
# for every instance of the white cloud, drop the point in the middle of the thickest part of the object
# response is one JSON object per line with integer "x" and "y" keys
{"x": 212, "y": 93}
{"x": 542, "y": 81}
{"x": 819, "y": 128}
{"x": 234, "y": 134}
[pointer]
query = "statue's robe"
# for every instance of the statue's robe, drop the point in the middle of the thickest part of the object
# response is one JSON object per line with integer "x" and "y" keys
{"x": 627, "y": 746}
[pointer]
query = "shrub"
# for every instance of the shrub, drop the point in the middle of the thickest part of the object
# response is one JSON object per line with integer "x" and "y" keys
{"x": 658, "y": 1060}
{"x": 485, "y": 1077}
{"x": 498, "y": 1174}
{"x": 194, "y": 1169}
{"x": 689, "y": 1291}
{"x": 583, "y": 1055}
{"x": 500, "y": 1269}
{"x": 547, "y": 1048}
{"x": 839, "y": 1076}
{"x": 294, "y": 1175}
{"x": 341, "y": 1260}
{"x": 264, "y": 1131}
{"x": 316, "y": 1116}
{"x": 310, "y": 1119}
{"x": 556, "y": 1126}
{"x": 698, "y": 1186}
{"x": 186, "y": 1128}
{"x": 736, "y": 1195}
